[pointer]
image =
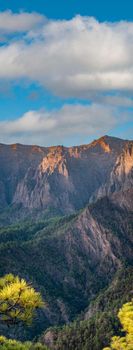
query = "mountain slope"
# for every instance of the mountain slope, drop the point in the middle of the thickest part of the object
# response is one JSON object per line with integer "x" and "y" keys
{"x": 72, "y": 259}
{"x": 121, "y": 176}
{"x": 61, "y": 179}
{"x": 99, "y": 323}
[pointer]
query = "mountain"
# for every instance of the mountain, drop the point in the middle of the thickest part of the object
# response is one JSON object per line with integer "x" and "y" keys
{"x": 70, "y": 259}
{"x": 66, "y": 223}
{"x": 61, "y": 180}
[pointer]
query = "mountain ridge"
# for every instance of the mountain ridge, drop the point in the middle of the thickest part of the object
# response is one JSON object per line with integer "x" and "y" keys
{"x": 60, "y": 178}
{"x": 104, "y": 137}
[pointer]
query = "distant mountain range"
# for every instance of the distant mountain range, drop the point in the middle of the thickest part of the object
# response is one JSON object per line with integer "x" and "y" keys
{"x": 66, "y": 217}
{"x": 60, "y": 179}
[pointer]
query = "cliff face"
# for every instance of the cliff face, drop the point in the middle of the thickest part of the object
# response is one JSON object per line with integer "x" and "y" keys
{"x": 63, "y": 178}
{"x": 121, "y": 176}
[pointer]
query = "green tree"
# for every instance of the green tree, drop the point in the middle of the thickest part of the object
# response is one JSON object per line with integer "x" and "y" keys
{"x": 18, "y": 301}
{"x": 124, "y": 342}
{"x": 10, "y": 344}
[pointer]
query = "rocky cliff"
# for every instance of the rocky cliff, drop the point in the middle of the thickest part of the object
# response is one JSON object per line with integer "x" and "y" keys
{"x": 61, "y": 178}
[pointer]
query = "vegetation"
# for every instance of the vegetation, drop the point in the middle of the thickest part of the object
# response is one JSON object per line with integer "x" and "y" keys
{"x": 9, "y": 344}
{"x": 125, "y": 341}
{"x": 101, "y": 322}
{"x": 39, "y": 252}
{"x": 50, "y": 253}
{"x": 18, "y": 300}
{"x": 92, "y": 333}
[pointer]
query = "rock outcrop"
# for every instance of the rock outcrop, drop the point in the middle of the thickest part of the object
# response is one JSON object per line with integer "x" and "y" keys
{"x": 61, "y": 178}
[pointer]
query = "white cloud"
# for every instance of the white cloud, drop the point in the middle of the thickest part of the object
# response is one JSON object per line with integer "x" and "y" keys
{"x": 79, "y": 58}
{"x": 71, "y": 122}
{"x": 70, "y": 58}
{"x": 118, "y": 100}
{"x": 19, "y": 22}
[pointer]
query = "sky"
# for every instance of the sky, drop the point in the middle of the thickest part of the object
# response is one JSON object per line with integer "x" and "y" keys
{"x": 66, "y": 71}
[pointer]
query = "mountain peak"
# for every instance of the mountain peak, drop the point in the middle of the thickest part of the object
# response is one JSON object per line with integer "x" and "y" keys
{"x": 110, "y": 143}
{"x": 103, "y": 143}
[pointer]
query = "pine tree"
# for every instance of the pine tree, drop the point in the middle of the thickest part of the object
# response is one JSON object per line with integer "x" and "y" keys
{"x": 18, "y": 301}
{"x": 124, "y": 342}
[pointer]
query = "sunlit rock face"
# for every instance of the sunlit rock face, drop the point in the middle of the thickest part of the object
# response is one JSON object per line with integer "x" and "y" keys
{"x": 121, "y": 176}
{"x": 64, "y": 178}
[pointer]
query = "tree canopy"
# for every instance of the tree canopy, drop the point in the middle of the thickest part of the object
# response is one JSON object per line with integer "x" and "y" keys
{"x": 125, "y": 342}
{"x": 10, "y": 344}
{"x": 18, "y": 300}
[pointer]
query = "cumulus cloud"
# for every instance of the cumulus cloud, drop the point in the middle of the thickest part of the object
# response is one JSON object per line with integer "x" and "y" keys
{"x": 70, "y": 58}
{"x": 19, "y": 22}
{"x": 80, "y": 58}
{"x": 71, "y": 122}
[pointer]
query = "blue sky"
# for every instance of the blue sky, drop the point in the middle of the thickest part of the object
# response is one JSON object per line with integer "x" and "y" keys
{"x": 66, "y": 71}
{"x": 101, "y": 9}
